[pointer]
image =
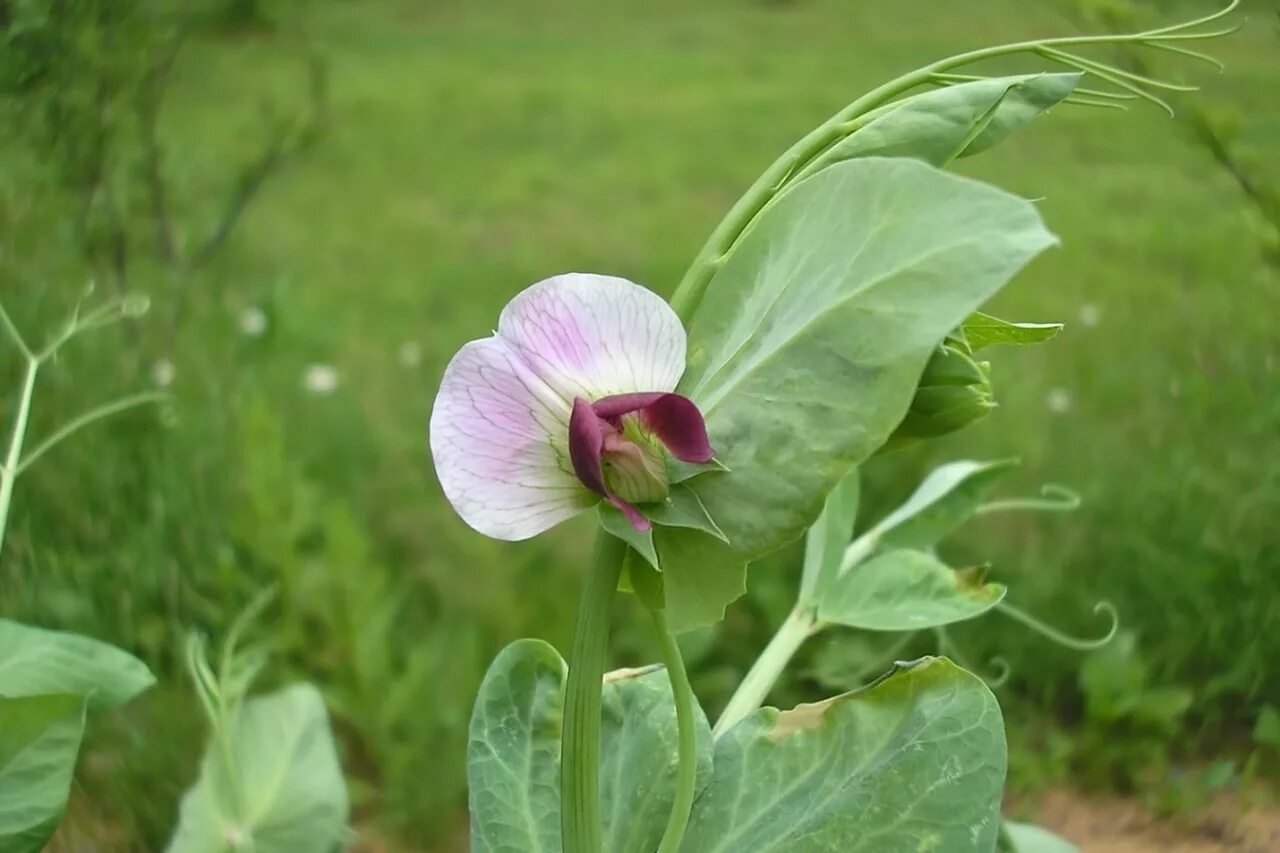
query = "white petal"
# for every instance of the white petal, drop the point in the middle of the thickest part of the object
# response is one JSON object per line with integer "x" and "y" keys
{"x": 499, "y": 438}
{"x": 594, "y": 335}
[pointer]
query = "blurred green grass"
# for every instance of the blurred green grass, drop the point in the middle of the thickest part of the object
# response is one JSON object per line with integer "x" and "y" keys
{"x": 476, "y": 148}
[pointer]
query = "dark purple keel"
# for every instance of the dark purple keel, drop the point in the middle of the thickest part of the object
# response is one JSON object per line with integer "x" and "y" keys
{"x": 596, "y": 428}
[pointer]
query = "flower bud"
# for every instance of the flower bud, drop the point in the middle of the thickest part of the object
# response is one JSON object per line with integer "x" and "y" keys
{"x": 954, "y": 392}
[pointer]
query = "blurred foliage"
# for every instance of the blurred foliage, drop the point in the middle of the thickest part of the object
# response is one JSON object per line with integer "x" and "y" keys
{"x": 471, "y": 150}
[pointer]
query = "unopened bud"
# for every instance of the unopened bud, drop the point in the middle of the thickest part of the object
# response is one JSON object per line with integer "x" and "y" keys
{"x": 954, "y": 392}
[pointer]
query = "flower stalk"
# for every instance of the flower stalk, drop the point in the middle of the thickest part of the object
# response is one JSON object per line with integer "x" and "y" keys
{"x": 580, "y": 741}
{"x": 687, "y": 733}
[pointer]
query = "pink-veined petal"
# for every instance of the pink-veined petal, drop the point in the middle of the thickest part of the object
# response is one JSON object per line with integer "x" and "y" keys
{"x": 499, "y": 439}
{"x": 592, "y": 336}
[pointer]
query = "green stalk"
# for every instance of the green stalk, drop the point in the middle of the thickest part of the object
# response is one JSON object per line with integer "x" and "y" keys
{"x": 753, "y": 690}
{"x": 580, "y": 740}
{"x": 9, "y": 474}
{"x": 686, "y": 725}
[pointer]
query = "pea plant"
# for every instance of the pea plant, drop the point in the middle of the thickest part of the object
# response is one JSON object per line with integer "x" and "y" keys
{"x": 270, "y": 778}
{"x": 832, "y": 314}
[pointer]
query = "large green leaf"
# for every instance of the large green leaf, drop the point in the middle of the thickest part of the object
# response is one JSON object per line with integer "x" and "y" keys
{"x": 958, "y": 121}
{"x": 34, "y": 661}
{"x": 285, "y": 792}
{"x": 906, "y": 590}
{"x": 640, "y": 754}
{"x": 808, "y": 345}
{"x": 513, "y": 754}
{"x": 915, "y": 761}
{"x": 513, "y": 751}
{"x": 39, "y": 740}
{"x": 944, "y": 500}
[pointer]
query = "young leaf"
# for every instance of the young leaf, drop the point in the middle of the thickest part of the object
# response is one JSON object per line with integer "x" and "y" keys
{"x": 983, "y": 330}
{"x": 944, "y": 500}
{"x": 39, "y": 740}
{"x": 904, "y": 591}
{"x": 958, "y": 121}
{"x": 826, "y": 540}
{"x": 284, "y": 793}
{"x": 1028, "y": 838}
{"x": 810, "y": 340}
{"x": 914, "y": 762}
{"x": 35, "y": 661}
{"x": 513, "y": 754}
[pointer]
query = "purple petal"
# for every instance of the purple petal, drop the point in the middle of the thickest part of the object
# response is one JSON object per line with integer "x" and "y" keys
{"x": 673, "y": 418}
{"x": 494, "y": 432}
{"x": 591, "y": 336}
{"x": 586, "y": 443}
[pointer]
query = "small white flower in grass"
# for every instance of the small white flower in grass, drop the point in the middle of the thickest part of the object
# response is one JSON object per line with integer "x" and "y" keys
{"x": 1090, "y": 315}
{"x": 162, "y": 373}
{"x": 1059, "y": 401}
{"x": 409, "y": 354}
{"x": 253, "y": 321}
{"x": 321, "y": 379}
{"x": 571, "y": 401}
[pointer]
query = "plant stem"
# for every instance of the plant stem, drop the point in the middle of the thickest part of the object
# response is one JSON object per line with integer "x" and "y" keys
{"x": 751, "y": 693}
{"x": 687, "y": 771}
{"x": 9, "y": 474}
{"x": 580, "y": 741}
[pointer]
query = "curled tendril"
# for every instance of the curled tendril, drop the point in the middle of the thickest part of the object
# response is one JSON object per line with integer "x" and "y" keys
{"x": 1053, "y": 498}
{"x": 948, "y": 647}
{"x": 1131, "y": 85}
{"x": 1062, "y": 639}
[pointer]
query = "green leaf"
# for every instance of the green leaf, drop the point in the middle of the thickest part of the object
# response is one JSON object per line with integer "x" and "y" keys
{"x": 808, "y": 345}
{"x": 639, "y": 748}
{"x": 1028, "y": 838}
{"x": 944, "y": 500}
{"x": 700, "y": 576}
{"x": 513, "y": 751}
{"x": 1266, "y": 730}
{"x": 905, "y": 591}
{"x": 285, "y": 792}
{"x": 914, "y": 762}
{"x": 34, "y": 661}
{"x": 513, "y": 754}
{"x": 39, "y": 741}
{"x": 826, "y": 541}
{"x": 958, "y": 121}
{"x": 983, "y": 330}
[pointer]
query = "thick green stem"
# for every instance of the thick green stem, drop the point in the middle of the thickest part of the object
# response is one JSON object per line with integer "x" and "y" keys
{"x": 580, "y": 743}
{"x": 9, "y": 474}
{"x": 686, "y": 725}
{"x": 751, "y": 693}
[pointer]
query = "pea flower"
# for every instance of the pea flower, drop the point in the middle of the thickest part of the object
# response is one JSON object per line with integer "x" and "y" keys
{"x": 571, "y": 401}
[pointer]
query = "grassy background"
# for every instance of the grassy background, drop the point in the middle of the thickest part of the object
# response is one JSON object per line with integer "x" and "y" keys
{"x": 475, "y": 148}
